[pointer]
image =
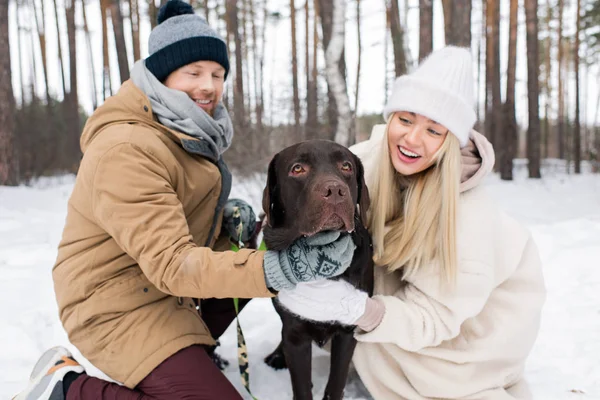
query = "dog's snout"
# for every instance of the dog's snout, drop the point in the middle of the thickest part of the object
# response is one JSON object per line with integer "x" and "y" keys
{"x": 334, "y": 192}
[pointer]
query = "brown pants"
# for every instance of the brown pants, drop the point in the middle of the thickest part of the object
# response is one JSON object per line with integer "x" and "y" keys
{"x": 187, "y": 374}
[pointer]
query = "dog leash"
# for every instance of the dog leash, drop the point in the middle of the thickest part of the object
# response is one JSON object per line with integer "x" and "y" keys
{"x": 242, "y": 350}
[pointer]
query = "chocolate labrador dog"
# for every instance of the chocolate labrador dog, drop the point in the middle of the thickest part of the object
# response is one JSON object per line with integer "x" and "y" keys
{"x": 315, "y": 186}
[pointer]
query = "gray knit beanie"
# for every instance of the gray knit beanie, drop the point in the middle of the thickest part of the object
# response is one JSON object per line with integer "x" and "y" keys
{"x": 180, "y": 38}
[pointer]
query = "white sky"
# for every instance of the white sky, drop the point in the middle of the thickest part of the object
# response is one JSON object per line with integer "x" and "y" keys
{"x": 278, "y": 77}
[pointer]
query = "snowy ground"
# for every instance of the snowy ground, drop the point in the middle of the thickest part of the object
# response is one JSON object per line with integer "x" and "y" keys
{"x": 563, "y": 211}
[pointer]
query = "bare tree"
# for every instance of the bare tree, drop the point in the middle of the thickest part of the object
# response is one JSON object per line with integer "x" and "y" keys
{"x": 359, "y": 56}
{"x": 106, "y": 79}
{"x": 447, "y": 7}
{"x": 8, "y": 165}
{"x": 425, "y": 28}
{"x": 345, "y": 128}
{"x": 397, "y": 38}
{"x": 60, "y": 51}
{"x": 577, "y": 133}
{"x": 533, "y": 131}
{"x": 296, "y": 96}
{"x": 494, "y": 112}
{"x": 547, "y": 80}
{"x": 239, "y": 111}
{"x": 116, "y": 17}
{"x": 509, "y": 136}
{"x": 312, "y": 96}
{"x": 20, "y": 51}
{"x": 561, "y": 86}
{"x": 246, "y": 49}
{"x": 92, "y": 69}
{"x": 257, "y": 66}
{"x": 153, "y": 13}
{"x": 134, "y": 19}
{"x": 72, "y": 100}
{"x": 40, "y": 25}
{"x": 325, "y": 11}
{"x": 457, "y": 22}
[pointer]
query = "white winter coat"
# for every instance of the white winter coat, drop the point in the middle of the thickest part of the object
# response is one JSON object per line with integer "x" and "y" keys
{"x": 471, "y": 343}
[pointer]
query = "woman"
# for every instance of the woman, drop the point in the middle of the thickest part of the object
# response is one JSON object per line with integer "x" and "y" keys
{"x": 138, "y": 247}
{"x": 458, "y": 284}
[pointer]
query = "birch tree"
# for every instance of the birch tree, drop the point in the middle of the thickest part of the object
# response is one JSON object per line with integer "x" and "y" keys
{"x": 345, "y": 126}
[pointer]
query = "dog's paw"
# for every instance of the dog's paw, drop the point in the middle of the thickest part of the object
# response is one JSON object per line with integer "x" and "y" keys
{"x": 276, "y": 360}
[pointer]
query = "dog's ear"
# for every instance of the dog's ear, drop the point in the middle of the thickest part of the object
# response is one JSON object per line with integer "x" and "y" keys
{"x": 270, "y": 200}
{"x": 364, "y": 201}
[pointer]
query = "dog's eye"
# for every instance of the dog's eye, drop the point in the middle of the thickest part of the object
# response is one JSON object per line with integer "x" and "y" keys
{"x": 346, "y": 166}
{"x": 297, "y": 169}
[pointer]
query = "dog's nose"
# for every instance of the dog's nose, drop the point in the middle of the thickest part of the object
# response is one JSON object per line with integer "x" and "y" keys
{"x": 334, "y": 192}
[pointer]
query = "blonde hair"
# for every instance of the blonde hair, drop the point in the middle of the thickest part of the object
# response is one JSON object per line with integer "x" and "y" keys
{"x": 419, "y": 211}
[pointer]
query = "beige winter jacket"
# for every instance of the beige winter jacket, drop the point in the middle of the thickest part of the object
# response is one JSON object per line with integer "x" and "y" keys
{"x": 136, "y": 247}
{"x": 471, "y": 343}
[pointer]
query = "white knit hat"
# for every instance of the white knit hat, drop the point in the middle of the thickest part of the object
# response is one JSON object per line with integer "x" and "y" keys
{"x": 441, "y": 89}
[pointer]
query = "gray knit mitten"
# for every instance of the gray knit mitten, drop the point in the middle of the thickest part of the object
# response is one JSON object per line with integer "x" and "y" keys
{"x": 324, "y": 255}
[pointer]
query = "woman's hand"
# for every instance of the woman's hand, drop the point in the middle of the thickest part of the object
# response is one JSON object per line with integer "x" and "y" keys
{"x": 323, "y": 255}
{"x": 325, "y": 301}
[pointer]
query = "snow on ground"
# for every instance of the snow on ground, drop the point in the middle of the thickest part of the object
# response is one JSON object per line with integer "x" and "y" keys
{"x": 562, "y": 210}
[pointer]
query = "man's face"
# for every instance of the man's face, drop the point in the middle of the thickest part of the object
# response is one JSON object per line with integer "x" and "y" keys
{"x": 202, "y": 81}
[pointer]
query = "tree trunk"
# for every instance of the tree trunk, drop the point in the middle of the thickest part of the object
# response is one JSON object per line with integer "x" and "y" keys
{"x": 312, "y": 95}
{"x": 8, "y": 164}
{"x": 577, "y": 133}
{"x": 296, "y": 96}
{"x": 459, "y": 22}
{"x": 425, "y": 28}
{"x": 116, "y": 17}
{"x": 325, "y": 12}
{"x": 533, "y": 130}
{"x": 397, "y": 34}
{"x": 20, "y": 50}
{"x": 152, "y": 13}
{"x": 498, "y": 116}
{"x": 345, "y": 128}
{"x": 239, "y": 112}
{"x": 91, "y": 57}
{"x": 106, "y": 76}
{"x": 447, "y": 6}
{"x": 561, "y": 87}
{"x": 311, "y": 124}
{"x": 72, "y": 104}
{"x": 507, "y": 152}
{"x": 41, "y": 30}
{"x": 548, "y": 81}
{"x": 480, "y": 43}
{"x": 60, "y": 57}
{"x": 134, "y": 19}
{"x": 359, "y": 55}
{"x": 489, "y": 66}
{"x": 257, "y": 66}
{"x": 246, "y": 61}
{"x": 206, "y": 11}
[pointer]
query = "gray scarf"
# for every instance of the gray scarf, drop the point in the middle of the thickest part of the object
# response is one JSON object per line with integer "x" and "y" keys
{"x": 175, "y": 110}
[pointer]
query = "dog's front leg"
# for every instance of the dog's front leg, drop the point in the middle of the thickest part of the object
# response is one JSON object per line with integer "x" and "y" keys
{"x": 298, "y": 354}
{"x": 342, "y": 348}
